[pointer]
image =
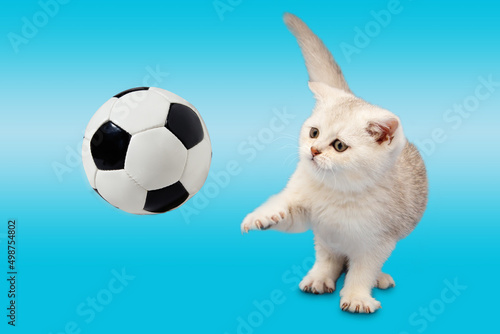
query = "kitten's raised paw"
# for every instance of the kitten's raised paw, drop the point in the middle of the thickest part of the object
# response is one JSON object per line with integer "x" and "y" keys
{"x": 385, "y": 281}
{"x": 262, "y": 220}
{"x": 317, "y": 284}
{"x": 358, "y": 303}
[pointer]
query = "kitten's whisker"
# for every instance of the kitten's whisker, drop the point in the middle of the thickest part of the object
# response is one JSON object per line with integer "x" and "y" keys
{"x": 287, "y": 135}
{"x": 289, "y": 161}
{"x": 294, "y": 139}
{"x": 289, "y": 146}
{"x": 290, "y": 158}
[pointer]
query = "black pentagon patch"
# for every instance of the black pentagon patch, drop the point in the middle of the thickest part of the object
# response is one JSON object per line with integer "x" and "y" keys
{"x": 185, "y": 124}
{"x": 130, "y": 91}
{"x": 109, "y": 146}
{"x": 166, "y": 199}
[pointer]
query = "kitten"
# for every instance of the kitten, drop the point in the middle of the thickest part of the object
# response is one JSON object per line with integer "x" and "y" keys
{"x": 359, "y": 184}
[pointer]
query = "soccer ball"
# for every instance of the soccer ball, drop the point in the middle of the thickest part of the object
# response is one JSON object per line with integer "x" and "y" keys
{"x": 146, "y": 151}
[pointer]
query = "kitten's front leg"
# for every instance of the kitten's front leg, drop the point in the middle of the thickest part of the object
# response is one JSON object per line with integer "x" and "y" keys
{"x": 323, "y": 275}
{"x": 281, "y": 212}
{"x": 364, "y": 269}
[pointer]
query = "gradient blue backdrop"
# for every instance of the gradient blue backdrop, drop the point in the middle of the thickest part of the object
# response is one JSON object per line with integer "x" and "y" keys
{"x": 199, "y": 274}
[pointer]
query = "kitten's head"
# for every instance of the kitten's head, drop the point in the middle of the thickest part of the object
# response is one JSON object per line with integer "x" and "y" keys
{"x": 348, "y": 143}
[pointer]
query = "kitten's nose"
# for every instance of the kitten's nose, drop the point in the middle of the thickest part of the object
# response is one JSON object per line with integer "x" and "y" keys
{"x": 314, "y": 151}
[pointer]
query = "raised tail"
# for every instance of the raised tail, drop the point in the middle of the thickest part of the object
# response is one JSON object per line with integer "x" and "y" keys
{"x": 320, "y": 63}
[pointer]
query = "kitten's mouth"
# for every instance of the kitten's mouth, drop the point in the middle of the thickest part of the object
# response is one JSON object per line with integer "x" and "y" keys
{"x": 314, "y": 161}
{"x": 317, "y": 164}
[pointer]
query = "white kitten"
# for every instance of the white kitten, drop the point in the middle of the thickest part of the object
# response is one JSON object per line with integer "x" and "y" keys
{"x": 359, "y": 185}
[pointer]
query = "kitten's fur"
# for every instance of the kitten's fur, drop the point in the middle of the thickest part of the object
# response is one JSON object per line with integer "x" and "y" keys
{"x": 359, "y": 202}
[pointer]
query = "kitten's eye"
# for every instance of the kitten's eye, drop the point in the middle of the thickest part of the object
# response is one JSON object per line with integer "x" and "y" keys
{"x": 339, "y": 146}
{"x": 314, "y": 133}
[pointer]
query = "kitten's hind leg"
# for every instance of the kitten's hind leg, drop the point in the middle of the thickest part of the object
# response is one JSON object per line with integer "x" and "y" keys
{"x": 325, "y": 272}
{"x": 385, "y": 281}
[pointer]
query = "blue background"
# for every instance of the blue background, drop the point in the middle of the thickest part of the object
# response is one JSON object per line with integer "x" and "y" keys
{"x": 198, "y": 273}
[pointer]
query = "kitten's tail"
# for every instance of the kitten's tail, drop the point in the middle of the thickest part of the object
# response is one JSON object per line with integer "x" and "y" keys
{"x": 320, "y": 63}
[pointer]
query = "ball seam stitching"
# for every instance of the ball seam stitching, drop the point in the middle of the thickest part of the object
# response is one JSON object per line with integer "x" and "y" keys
{"x": 150, "y": 128}
{"x": 135, "y": 181}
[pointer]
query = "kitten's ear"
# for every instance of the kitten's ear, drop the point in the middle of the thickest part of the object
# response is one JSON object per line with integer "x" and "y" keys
{"x": 323, "y": 91}
{"x": 383, "y": 130}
